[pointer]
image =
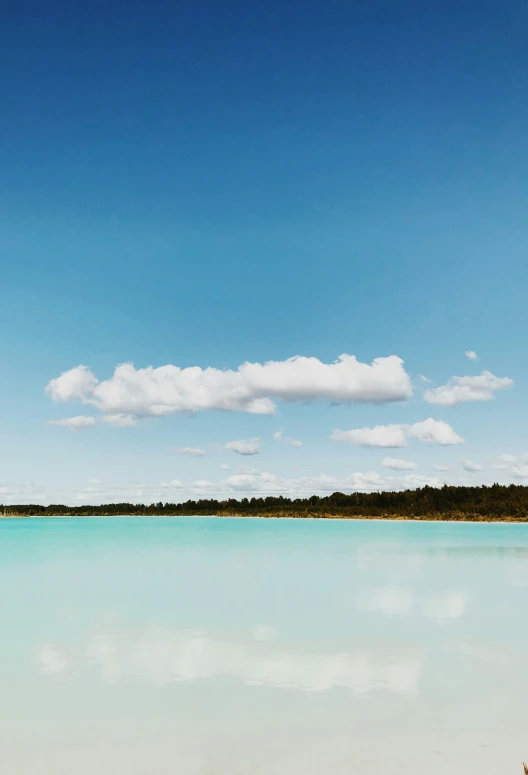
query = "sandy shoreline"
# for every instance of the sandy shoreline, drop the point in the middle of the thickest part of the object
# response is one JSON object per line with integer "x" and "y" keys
{"x": 504, "y": 521}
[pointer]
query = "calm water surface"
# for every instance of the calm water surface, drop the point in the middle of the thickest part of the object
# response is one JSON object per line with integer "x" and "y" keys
{"x": 188, "y": 646}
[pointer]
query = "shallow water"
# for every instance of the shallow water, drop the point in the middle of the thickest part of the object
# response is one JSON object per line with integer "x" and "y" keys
{"x": 227, "y": 646}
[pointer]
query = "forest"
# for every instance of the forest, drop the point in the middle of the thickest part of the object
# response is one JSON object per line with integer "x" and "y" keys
{"x": 494, "y": 502}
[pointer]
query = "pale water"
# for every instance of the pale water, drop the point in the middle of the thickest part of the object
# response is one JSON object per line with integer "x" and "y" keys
{"x": 230, "y": 646}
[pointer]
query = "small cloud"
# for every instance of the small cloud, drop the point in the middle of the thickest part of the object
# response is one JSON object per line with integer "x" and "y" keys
{"x": 192, "y": 451}
{"x": 440, "y": 466}
{"x": 423, "y": 378}
{"x": 79, "y": 423}
{"x": 94, "y": 481}
{"x": 278, "y": 436}
{"x": 397, "y": 464}
{"x": 429, "y": 431}
{"x": 121, "y": 420}
{"x": 379, "y": 436}
{"x": 434, "y": 432}
{"x": 471, "y": 354}
{"x": 468, "y": 465}
{"x": 244, "y": 447}
{"x": 514, "y": 465}
{"x": 73, "y": 384}
{"x": 224, "y": 467}
{"x": 464, "y": 389}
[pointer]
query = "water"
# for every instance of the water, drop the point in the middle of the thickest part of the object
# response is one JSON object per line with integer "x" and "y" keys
{"x": 149, "y": 646}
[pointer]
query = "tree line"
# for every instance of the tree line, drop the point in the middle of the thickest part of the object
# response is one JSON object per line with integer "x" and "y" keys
{"x": 497, "y": 502}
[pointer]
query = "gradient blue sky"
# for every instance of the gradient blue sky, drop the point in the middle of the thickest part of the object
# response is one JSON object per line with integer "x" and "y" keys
{"x": 204, "y": 184}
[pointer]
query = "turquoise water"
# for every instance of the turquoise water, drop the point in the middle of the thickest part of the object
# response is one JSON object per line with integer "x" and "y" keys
{"x": 226, "y": 646}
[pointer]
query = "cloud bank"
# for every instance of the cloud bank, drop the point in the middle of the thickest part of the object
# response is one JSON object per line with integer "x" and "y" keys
{"x": 243, "y": 483}
{"x": 253, "y": 387}
{"x": 265, "y": 483}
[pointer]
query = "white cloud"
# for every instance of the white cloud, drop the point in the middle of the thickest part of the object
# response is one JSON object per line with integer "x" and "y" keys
{"x": 192, "y": 451}
{"x": 413, "y": 481}
{"x": 204, "y": 487}
{"x": 471, "y": 354}
{"x": 224, "y": 467}
{"x": 120, "y": 420}
{"x": 440, "y": 466}
{"x": 463, "y": 389}
{"x": 434, "y": 432}
{"x": 429, "y": 431}
{"x": 251, "y": 482}
{"x": 175, "y": 483}
{"x": 398, "y": 464}
{"x": 278, "y": 436}
{"x": 506, "y": 460}
{"x": 468, "y": 465}
{"x": 78, "y": 423}
{"x": 21, "y": 492}
{"x": 75, "y": 383}
{"x": 244, "y": 447}
{"x": 424, "y": 378}
{"x": 253, "y": 387}
{"x": 379, "y": 436}
{"x": 515, "y": 466}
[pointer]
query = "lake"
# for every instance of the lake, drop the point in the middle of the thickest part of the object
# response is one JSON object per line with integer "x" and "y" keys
{"x": 212, "y": 646}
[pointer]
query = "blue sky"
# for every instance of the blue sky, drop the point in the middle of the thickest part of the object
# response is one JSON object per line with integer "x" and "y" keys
{"x": 213, "y": 184}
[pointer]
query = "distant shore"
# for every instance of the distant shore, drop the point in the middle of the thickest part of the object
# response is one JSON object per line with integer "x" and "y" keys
{"x": 441, "y": 519}
{"x": 494, "y": 503}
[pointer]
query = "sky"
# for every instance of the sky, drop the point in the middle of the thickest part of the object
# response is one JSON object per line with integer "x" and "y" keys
{"x": 261, "y": 248}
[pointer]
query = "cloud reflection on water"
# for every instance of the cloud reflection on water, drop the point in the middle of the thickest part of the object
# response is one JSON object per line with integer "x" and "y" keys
{"x": 399, "y": 601}
{"x": 159, "y": 658}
